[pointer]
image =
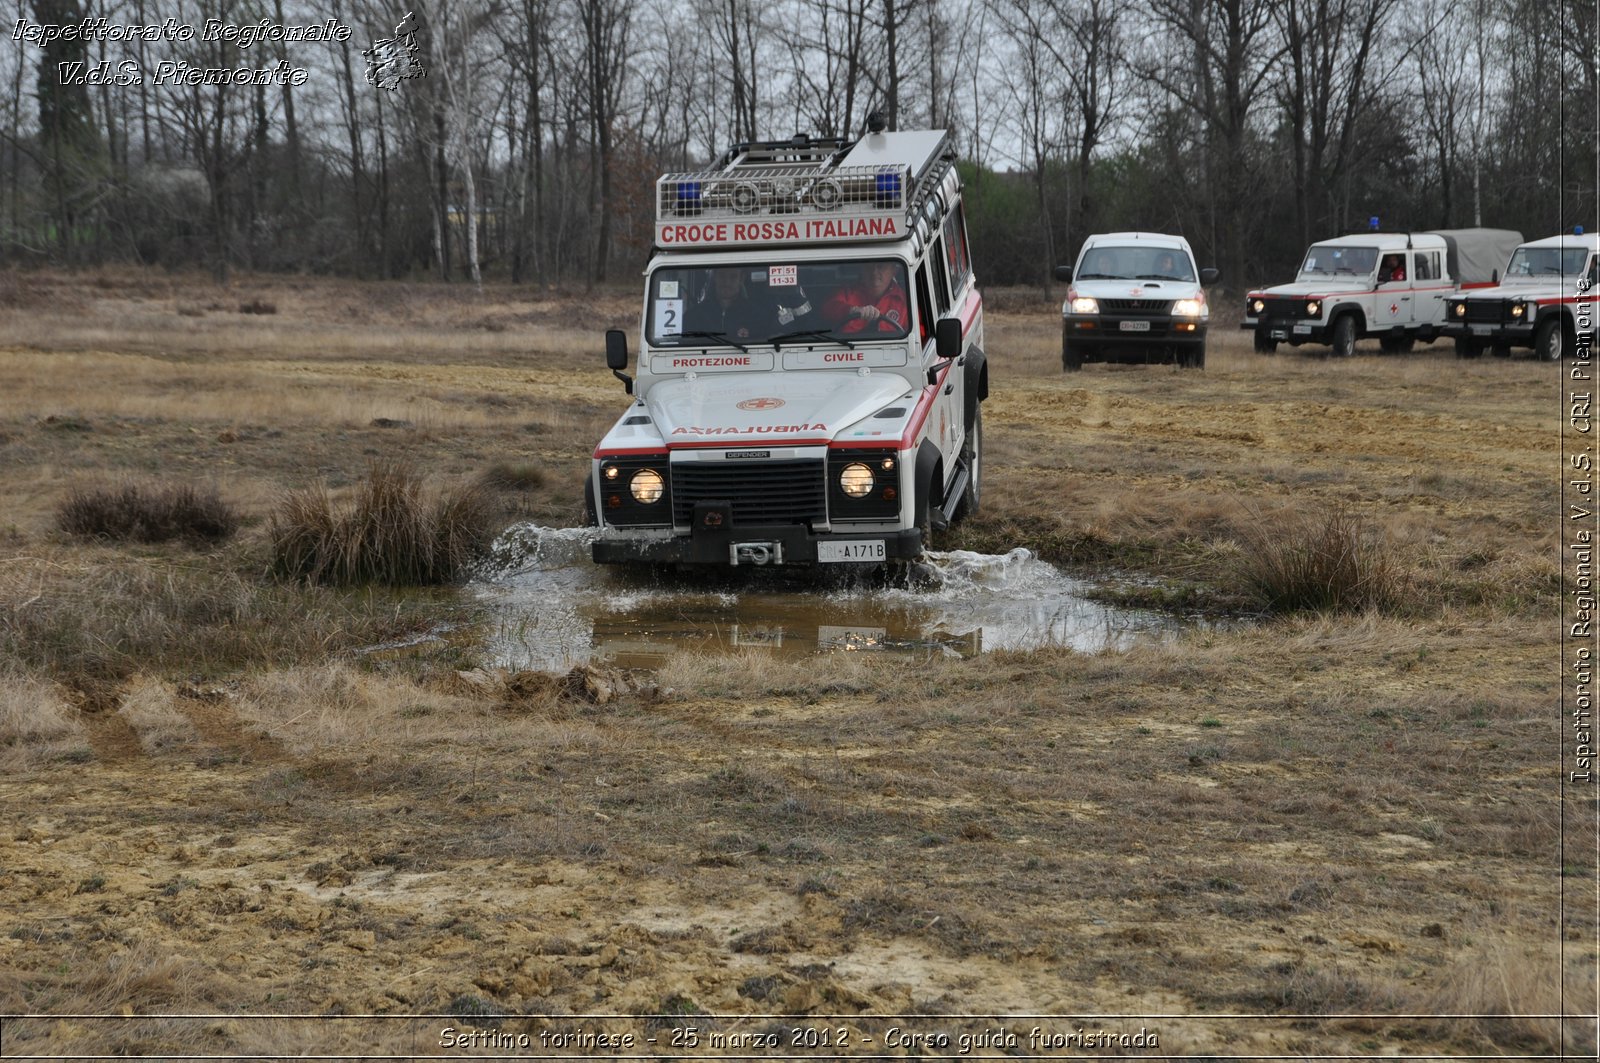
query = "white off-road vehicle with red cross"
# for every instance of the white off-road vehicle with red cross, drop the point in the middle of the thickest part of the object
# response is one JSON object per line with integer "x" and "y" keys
{"x": 811, "y": 370}
{"x": 1389, "y": 286}
{"x": 1545, "y": 301}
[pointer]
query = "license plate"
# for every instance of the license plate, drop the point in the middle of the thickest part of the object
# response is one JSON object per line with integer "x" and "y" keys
{"x": 857, "y": 550}
{"x": 1302, "y": 330}
{"x": 1279, "y": 334}
{"x": 1134, "y": 326}
{"x": 1480, "y": 330}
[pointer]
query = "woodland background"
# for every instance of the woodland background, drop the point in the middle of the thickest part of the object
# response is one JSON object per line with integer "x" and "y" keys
{"x": 1251, "y": 126}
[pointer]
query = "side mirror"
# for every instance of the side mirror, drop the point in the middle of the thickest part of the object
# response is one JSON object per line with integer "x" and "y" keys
{"x": 1494, "y": 277}
{"x": 616, "y": 349}
{"x": 947, "y": 337}
{"x": 1210, "y": 275}
{"x": 1064, "y": 274}
{"x": 617, "y": 357}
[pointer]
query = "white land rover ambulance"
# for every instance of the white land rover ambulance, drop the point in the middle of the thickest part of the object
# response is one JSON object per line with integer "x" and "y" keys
{"x": 1391, "y": 286}
{"x": 1540, "y": 303}
{"x": 811, "y": 362}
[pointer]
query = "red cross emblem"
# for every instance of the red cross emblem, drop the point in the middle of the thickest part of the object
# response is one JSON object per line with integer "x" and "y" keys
{"x": 1394, "y": 308}
{"x": 760, "y": 404}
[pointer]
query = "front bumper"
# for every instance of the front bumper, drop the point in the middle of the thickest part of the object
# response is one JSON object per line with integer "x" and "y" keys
{"x": 1109, "y": 337}
{"x": 786, "y": 544}
{"x": 1520, "y": 333}
{"x": 1288, "y": 329}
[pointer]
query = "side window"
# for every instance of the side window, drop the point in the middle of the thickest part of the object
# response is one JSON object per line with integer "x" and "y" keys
{"x": 1594, "y": 271}
{"x": 955, "y": 249}
{"x": 1427, "y": 266}
{"x": 941, "y": 279}
{"x": 924, "y": 304}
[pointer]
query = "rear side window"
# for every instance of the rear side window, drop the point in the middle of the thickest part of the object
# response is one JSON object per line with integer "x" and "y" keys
{"x": 955, "y": 250}
{"x": 1426, "y": 267}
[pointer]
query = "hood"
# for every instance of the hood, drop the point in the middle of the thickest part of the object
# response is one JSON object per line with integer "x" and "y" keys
{"x": 1524, "y": 288}
{"x": 1135, "y": 289}
{"x": 1344, "y": 285}
{"x": 790, "y": 407}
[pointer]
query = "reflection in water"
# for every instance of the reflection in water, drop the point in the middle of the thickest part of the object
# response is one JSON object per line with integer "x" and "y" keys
{"x": 558, "y": 609}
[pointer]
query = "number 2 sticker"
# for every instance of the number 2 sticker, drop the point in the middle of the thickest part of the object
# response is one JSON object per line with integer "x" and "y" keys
{"x": 669, "y": 317}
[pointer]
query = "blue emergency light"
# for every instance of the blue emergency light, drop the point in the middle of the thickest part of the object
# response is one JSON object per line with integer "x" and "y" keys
{"x": 1577, "y": 230}
{"x": 1372, "y": 223}
{"x": 888, "y": 189}
{"x": 688, "y": 197}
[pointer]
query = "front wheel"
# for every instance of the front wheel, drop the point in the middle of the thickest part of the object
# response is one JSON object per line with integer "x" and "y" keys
{"x": 1466, "y": 348}
{"x": 1192, "y": 358}
{"x": 1344, "y": 336}
{"x": 1071, "y": 357}
{"x": 1265, "y": 344}
{"x": 1548, "y": 341}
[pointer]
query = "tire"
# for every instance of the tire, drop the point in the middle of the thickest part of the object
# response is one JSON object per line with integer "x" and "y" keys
{"x": 1192, "y": 358}
{"x": 1071, "y": 357}
{"x": 1466, "y": 348}
{"x": 591, "y": 517}
{"x": 1344, "y": 336}
{"x": 1501, "y": 350}
{"x": 1397, "y": 344}
{"x": 972, "y": 454}
{"x": 1549, "y": 340}
{"x": 1264, "y": 344}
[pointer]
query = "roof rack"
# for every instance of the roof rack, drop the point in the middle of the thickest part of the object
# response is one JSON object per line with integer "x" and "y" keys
{"x": 805, "y": 190}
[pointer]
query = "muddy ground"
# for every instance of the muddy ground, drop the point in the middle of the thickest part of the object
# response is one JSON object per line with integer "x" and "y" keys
{"x": 215, "y": 801}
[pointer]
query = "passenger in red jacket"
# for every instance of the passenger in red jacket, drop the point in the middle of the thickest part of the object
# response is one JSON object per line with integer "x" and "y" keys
{"x": 876, "y": 304}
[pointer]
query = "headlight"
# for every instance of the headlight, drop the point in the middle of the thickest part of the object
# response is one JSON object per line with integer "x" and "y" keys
{"x": 855, "y": 480}
{"x": 1518, "y": 309}
{"x": 1257, "y": 305}
{"x": 647, "y": 486}
{"x": 1083, "y": 304}
{"x": 1458, "y": 309}
{"x": 1314, "y": 308}
{"x": 1187, "y": 308}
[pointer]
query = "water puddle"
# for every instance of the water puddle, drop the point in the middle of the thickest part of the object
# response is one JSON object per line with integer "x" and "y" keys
{"x": 558, "y": 609}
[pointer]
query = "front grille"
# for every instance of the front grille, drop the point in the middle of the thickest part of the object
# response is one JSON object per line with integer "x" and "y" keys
{"x": 764, "y": 492}
{"x": 1135, "y": 306}
{"x": 1295, "y": 308}
{"x": 1486, "y": 310}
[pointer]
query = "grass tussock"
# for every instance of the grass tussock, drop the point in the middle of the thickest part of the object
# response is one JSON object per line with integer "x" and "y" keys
{"x": 147, "y": 514}
{"x": 36, "y": 725}
{"x": 1512, "y": 993}
{"x": 196, "y": 618}
{"x": 390, "y": 532}
{"x": 1328, "y": 562}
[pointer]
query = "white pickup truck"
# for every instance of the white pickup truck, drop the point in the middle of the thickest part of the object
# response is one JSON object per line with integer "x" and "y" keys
{"x": 1540, "y": 303}
{"x": 1390, "y": 286}
{"x": 811, "y": 365}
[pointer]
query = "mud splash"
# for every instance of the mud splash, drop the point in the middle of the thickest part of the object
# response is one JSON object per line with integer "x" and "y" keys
{"x": 558, "y": 609}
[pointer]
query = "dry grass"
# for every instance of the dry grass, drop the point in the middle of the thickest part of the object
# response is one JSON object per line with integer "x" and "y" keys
{"x": 1318, "y": 812}
{"x": 1315, "y": 563}
{"x": 389, "y": 532}
{"x": 147, "y": 514}
{"x": 36, "y": 726}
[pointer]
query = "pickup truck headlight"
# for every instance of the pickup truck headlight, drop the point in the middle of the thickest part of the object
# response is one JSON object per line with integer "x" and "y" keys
{"x": 1314, "y": 308}
{"x": 1458, "y": 309}
{"x": 1187, "y": 308}
{"x": 1083, "y": 304}
{"x": 1518, "y": 310}
{"x": 1256, "y": 306}
{"x": 647, "y": 487}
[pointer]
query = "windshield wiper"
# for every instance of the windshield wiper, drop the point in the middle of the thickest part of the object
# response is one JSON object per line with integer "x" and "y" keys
{"x": 1101, "y": 277}
{"x": 720, "y": 337}
{"x": 814, "y": 333}
{"x": 1157, "y": 277}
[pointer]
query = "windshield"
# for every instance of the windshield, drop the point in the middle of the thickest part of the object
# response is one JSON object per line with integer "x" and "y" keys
{"x": 744, "y": 305}
{"x": 1324, "y": 260}
{"x": 1135, "y": 262}
{"x": 1547, "y": 261}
